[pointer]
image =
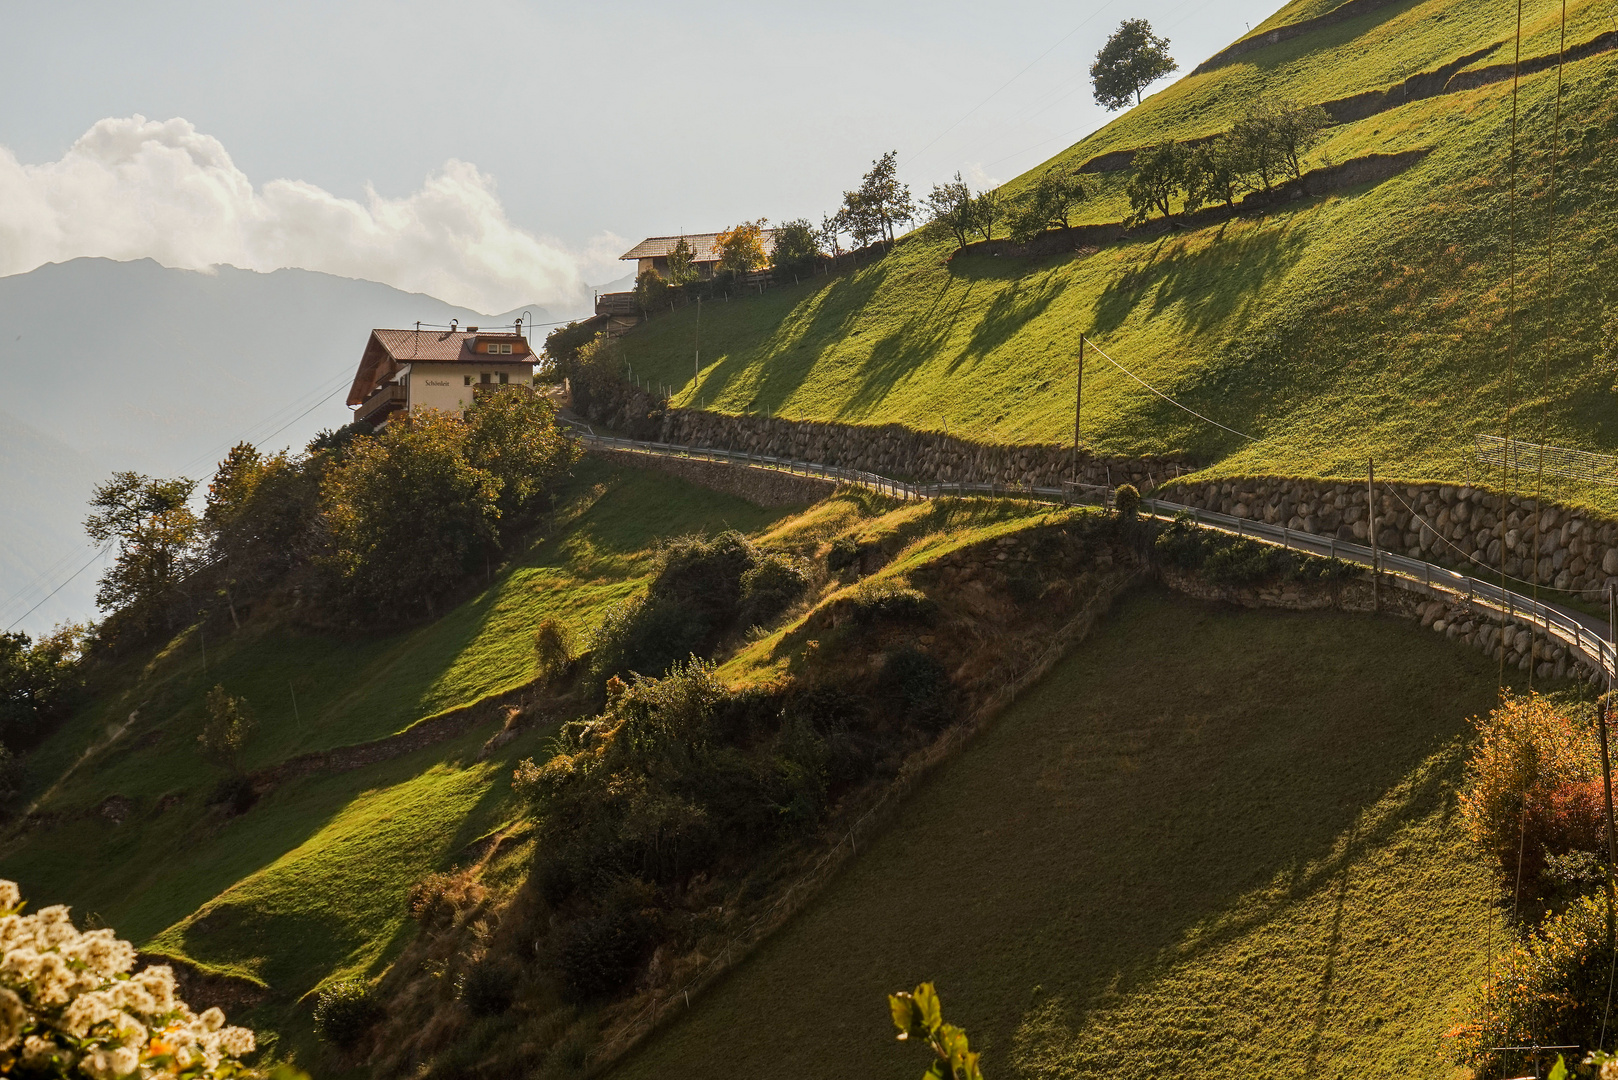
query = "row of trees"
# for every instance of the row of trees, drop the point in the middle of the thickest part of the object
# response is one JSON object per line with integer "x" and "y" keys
{"x": 1265, "y": 147}
{"x": 367, "y": 527}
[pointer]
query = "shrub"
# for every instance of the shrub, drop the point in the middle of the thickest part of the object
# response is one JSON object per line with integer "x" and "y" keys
{"x": 1234, "y": 560}
{"x": 11, "y": 774}
{"x": 1126, "y": 500}
{"x": 770, "y": 587}
{"x": 225, "y": 732}
{"x": 646, "y": 633}
{"x": 601, "y": 955}
{"x": 490, "y": 986}
{"x": 891, "y": 599}
{"x": 1531, "y": 787}
{"x": 1548, "y": 990}
{"x": 345, "y": 1011}
{"x": 843, "y": 554}
{"x": 695, "y": 597}
{"x": 921, "y": 684}
{"x": 77, "y": 1008}
{"x": 553, "y": 651}
{"x": 438, "y": 899}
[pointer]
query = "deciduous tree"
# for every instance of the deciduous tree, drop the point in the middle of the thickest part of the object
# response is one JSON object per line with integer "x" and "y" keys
{"x": 1220, "y": 170}
{"x": 797, "y": 249}
{"x": 741, "y": 247}
{"x": 1049, "y": 203}
{"x": 409, "y": 517}
{"x": 227, "y": 726}
{"x": 1276, "y": 134}
{"x": 949, "y": 209}
{"x": 1158, "y": 174}
{"x": 881, "y": 204}
{"x": 259, "y": 512}
{"x": 1132, "y": 59}
{"x": 514, "y": 435}
{"x": 158, "y": 539}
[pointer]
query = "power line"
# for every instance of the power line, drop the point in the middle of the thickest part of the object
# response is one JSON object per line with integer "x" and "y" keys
{"x": 965, "y": 116}
{"x": 1164, "y": 396}
{"x": 99, "y": 554}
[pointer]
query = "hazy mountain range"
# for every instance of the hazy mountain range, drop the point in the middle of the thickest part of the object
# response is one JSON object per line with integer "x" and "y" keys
{"x": 131, "y": 365}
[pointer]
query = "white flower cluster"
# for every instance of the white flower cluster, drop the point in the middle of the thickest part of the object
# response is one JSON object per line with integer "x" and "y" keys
{"x": 69, "y": 1006}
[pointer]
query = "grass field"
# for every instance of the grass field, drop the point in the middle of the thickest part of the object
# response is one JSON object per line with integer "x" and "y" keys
{"x": 1371, "y": 323}
{"x": 309, "y": 884}
{"x": 1211, "y": 843}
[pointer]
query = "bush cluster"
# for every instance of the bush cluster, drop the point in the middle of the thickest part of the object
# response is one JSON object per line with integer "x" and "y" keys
{"x": 680, "y": 778}
{"x": 372, "y": 528}
{"x": 702, "y": 589}
{"x": 889, "y": 598}
{"x": 1532, "y": 790}
{"x": 1533, "y": 802}
{"x": 1234, "y": 560}
{"x": 345, "y": 1012}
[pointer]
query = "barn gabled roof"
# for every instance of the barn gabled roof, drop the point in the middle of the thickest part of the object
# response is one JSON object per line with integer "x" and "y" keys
{"x": 702, "y": 246}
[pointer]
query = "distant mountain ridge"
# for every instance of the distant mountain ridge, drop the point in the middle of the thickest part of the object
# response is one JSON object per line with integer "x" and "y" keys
{"x": 132, "y": 365}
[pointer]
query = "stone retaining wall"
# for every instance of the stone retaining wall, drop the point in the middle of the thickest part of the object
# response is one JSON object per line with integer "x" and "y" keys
{"x": 761, "y": 487}
{"x": 1524, "y": 645}
{"x": 1451, "y": 524}
{"x": 890, "y": 450}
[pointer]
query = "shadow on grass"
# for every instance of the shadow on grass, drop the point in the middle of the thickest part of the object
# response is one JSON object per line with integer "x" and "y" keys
{"x": 1191, "y": 785}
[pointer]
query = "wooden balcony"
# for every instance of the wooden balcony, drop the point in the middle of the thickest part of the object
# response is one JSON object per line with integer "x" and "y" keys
{"x": 616, "y": 303}
{"x": 388, "y": 399}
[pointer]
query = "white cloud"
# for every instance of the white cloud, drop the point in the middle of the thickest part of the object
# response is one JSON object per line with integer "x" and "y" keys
{"x": 133, "y": 188}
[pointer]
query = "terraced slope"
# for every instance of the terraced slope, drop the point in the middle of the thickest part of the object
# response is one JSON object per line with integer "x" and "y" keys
{"x": 309, "y": 884}
{"x": 1372, "y": 321}
{"x": 1210, "y": 843}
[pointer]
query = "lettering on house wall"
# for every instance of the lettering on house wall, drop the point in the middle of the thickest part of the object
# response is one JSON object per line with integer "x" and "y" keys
{"x": 436, "y": 382}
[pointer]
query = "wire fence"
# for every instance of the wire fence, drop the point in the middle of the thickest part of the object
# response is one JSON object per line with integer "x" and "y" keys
{"x": 1518, "y": 456}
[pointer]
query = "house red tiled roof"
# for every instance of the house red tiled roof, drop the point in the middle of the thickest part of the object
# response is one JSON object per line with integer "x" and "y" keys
{"x": 390, "y": 350}
{"x": 702, "y": 249}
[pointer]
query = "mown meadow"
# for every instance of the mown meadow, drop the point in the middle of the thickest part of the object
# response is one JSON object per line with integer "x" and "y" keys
{"x": 1375, "y": 322}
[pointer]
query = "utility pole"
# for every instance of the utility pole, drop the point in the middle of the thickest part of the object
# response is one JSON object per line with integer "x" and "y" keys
{"x": 696, "y": 359}
{"x": 1370, "y": 504}
{"x": 1602, "y": 707}
{"x": 1078, "y": 404}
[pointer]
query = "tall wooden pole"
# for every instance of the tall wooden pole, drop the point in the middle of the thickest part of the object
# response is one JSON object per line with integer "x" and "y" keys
{"x": 1370, "y": 506}
{"x": 1078, "y": 405}
{"x": 1606, "y": 779}
{"x": 696, "y": 359}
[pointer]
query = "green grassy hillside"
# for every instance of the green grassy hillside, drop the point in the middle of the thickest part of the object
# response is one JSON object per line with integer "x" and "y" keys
{"x": 1211, "y": 843}
{"x": 310, "y": 883}
{"x": 1372, "y": 322}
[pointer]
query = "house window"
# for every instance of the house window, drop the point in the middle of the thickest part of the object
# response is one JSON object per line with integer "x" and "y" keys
{"x": 500, "y": 348}
{"x": 503, "y": 377}
{"x": 468, "y": 380}
{"x": 484, "y": 377}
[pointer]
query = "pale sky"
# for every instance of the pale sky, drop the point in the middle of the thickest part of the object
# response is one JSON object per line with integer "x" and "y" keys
{"x": 499, "y": 153}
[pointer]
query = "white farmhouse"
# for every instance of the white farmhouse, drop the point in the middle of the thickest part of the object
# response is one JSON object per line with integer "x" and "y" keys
{"x": 406, "y": 370}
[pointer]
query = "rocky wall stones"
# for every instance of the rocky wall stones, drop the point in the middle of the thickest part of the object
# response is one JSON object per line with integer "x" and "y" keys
{"x": 1451, "y": 524}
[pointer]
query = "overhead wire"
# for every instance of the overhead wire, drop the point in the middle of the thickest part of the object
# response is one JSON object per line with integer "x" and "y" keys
{"x": 1164, "y": 396}
{"x": 1026, "y": 69}
{"x": 98, "y": 555}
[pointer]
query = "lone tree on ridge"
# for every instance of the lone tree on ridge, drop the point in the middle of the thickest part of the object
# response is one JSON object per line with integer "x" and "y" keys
{"x": 1131, "y": 60}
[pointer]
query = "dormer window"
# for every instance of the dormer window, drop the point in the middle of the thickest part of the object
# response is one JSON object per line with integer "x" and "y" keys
{"x": 500, "y": 348}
